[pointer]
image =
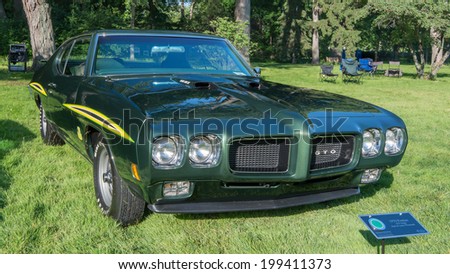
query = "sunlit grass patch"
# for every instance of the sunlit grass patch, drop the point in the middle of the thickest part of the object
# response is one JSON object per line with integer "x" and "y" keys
{"x": 47, "y": 201}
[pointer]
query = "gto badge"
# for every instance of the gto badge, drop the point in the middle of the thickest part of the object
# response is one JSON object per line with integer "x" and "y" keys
{"x": 325, "y": 152}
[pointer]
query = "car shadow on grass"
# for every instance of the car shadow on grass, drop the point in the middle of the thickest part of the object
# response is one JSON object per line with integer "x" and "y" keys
{"x": 12, "y": 136}
{"x": 366, "y": 191}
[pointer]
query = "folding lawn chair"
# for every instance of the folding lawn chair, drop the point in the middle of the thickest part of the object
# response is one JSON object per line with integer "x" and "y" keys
{"x": 394, "y": 69}
{"x": 365, "y": 64}
{"x": 326, "y": 73}
{"x": 350, "y": 70}
{"x": 378, "y": 67}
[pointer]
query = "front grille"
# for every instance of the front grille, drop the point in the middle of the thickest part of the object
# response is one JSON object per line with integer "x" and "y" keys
{"x": 259, "y": 155}
{"x": 328, "y": 152}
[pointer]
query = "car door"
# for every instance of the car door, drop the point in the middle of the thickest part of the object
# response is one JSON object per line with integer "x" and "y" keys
{"x": 70, "y": 71}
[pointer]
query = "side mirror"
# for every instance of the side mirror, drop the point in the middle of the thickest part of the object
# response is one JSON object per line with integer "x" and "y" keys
{"x": 257, "y": 70}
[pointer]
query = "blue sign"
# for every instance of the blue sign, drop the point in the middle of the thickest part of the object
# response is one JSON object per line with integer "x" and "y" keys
{"x": 393, "y": 225}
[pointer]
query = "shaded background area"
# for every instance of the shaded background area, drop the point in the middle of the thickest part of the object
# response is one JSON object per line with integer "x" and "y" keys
{"x": 280, "y": 30}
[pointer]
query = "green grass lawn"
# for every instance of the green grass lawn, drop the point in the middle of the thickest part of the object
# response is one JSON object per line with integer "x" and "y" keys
{"x": 47, "y": 201}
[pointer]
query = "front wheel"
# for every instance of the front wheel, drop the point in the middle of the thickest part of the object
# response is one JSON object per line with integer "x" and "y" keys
{"x": 113, "y": 196}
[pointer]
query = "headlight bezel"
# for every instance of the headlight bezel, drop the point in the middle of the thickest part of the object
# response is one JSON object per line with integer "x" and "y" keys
{"x": 177, "y": 160}
{"x": 375, "y": 143}
{"x": 213, "y": 158}
{"x": 399, "y": 145}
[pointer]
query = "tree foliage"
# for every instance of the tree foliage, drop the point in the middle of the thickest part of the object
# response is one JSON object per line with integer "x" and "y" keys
{"x": 341, "y": 20}
{"x": 13, "y": 27}
{"x": 410, "y": 25}
{"x": 233, "y": 31}
{"x": 281, "y": 30}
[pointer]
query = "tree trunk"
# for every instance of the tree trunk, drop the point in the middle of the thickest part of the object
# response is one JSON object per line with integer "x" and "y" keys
{"x": 286, "y": 25}
{"x": 296, "y": 43}
{"x": 191, "y": 10}
{"x": 438, "y": 64}
{"x": 436, "y": 45}
{"x": 41, "y": 30}
{"x": 242, "y": 14}
{"x": 419, "y": 64}
{"x": 182, "y": 10}
{"x": 315, "y": 34}
{"x": 2, "y": 11}
{"x": 395, "y": 50}
{"x": 133, "y": 13}
{"x": 377, "y": 50}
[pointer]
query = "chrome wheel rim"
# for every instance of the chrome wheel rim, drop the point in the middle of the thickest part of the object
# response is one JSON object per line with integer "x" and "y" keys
{"x": 105, "y": 177}
{"x": 44, "y": 122}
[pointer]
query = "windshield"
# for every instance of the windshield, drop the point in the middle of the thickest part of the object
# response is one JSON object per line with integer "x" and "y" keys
{"x": 165, "y": 55}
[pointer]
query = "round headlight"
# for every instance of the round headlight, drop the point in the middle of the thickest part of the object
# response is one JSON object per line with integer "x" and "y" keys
{"x": 201, "y": 149}
{"x": 395, "y": 138}
{"x": 167, "y": 152}
{"x": 204, "y": 151}
{"x": 371, "y": 143}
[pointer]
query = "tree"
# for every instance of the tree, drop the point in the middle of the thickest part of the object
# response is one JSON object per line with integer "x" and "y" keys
{"x": 191, "y": 10}
{"x": 315, "y": 33}
{"x": 341, "y": 19}
{"x": 291, "y": 33}
{"x": 242, "y": 14}
{"x": 41, "y": 30}
{"x": 418, "y": 24}
{"x": 2, "y": 11}
{"x": 439, "y": 23}
{"x": 130, "y": 10}
{"x": 157, "y": 18}
{"x": 182, "y": 10}
{"x": 266, "y": 28}
{"x": 132, "y": 13}
{"x": 233, "y": 31}
{"x": 202, "y": 13}
{"x": 406, "y": 22}
{"x": 436, "y": 40}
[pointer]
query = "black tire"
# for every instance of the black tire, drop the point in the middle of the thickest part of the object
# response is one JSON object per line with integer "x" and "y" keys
{"x": 113, "y": 195}
{"x": 48, "y": 133}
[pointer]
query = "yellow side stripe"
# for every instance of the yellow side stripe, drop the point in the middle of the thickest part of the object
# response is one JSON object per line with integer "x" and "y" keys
{"x": 38, "y": 87}
{"x": 106, "y": 122}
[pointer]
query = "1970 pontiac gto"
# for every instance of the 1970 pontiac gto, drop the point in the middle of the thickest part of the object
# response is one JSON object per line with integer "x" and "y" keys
{"x": 180, "y": 123}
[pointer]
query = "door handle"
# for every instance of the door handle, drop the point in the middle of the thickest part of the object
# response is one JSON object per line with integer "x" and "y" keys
{"x": 51, "y": 85}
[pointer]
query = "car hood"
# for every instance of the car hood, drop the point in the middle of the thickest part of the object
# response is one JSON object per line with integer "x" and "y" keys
{"x": 160, "y": 97}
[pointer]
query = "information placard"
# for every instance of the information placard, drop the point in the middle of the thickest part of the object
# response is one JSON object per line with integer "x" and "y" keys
{"x": 393, "y": 225}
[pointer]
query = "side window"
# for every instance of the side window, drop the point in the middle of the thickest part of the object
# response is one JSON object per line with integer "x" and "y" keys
{"x": 76, "y": 62}
{"x": 62, "y": 60}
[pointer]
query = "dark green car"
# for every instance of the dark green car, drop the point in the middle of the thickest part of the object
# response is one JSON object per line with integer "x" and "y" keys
{"x": 180, "y": 123}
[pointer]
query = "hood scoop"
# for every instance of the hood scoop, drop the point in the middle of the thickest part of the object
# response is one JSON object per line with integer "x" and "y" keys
{"x": 250, "y": 84}
{"x": 203, "y": 85}
{"x": 198, "y": 84}
{"x": 254, "y": 85}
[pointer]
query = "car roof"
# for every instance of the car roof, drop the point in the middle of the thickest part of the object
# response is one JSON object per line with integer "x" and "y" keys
{"x": 167, "y": 33}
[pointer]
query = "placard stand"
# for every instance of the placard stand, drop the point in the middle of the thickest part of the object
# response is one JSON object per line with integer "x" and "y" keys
{"x": 393, "y": 225}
